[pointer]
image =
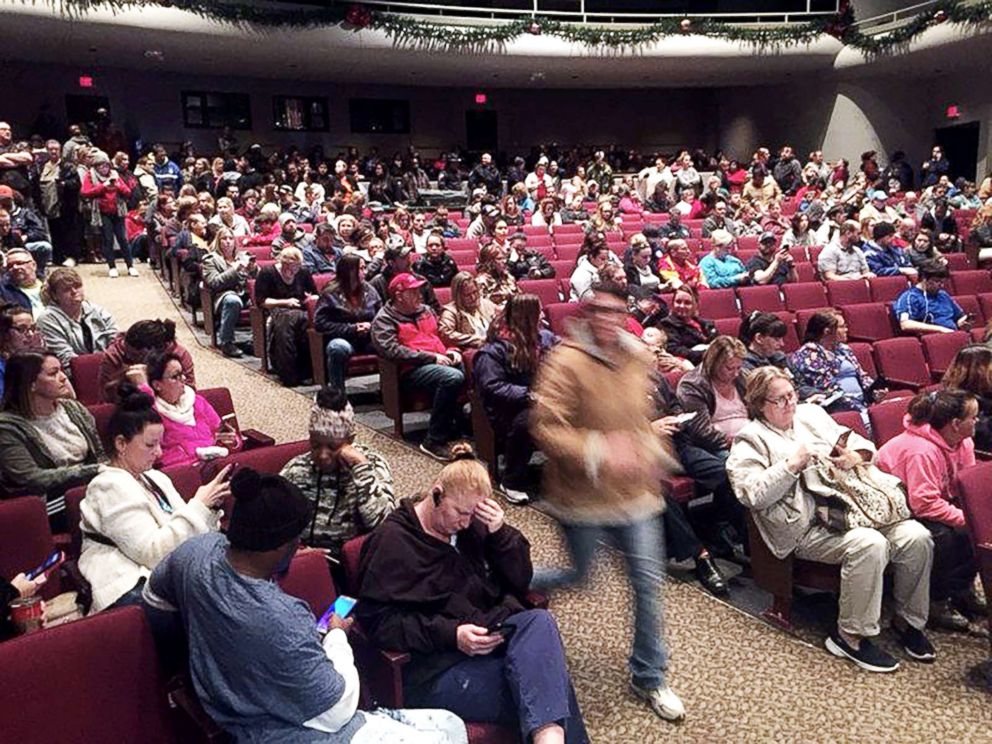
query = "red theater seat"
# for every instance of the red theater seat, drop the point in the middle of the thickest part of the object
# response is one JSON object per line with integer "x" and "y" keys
{"x": 764, "y": 298}
{"x": 901, "y": 362}
{"x": 940, "y": 349}
{"x": 85, "y": 370}
{"x": 804, "y": 296}
{"x": 886, "y": 418}
{"x": 718, "y": 303}
{"x": 887, "y": 288}
{"x": 545, "y": 289}
{"x": 851, "y": 292}
{"x": 971, "y": 282}
{"x": 868, "y": 322}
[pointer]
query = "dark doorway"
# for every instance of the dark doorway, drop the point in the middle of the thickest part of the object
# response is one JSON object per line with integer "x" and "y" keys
{"x": 481, "y": 131}
{"x": 960, "y": 145}
{"x": 82, "y": 109}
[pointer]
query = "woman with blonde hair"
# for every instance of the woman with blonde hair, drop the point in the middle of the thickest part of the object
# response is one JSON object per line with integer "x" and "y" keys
{"x": 225, "y": 273}
{"x": 465, "y": 320}
{"x": 605, "y": 220}
{"x": 715, "y": 389}
{"x": 981, "y": 233}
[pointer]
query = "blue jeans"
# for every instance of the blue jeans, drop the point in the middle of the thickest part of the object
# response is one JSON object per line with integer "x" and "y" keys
{"x": 524, "y": 682}
{"x": 644, "y": 555}
{"x": 446, "y": 384}
{"x": 41, "y": 250}
{"x": 111, "y": 228}
{"x": 229, "y": 307}
{"x": 337, "y": 353}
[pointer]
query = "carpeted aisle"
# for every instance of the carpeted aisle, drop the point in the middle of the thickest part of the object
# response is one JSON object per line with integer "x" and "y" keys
{"x": 740, "y": 679}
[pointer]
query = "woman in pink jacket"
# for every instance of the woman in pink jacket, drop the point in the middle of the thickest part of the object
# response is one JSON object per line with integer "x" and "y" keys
{"x": 193, "y": 430}
{"x": 927, "y": 456}
{"x": 108, "y": 193}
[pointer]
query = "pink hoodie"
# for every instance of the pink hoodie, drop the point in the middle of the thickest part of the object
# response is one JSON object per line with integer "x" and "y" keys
{"x": 927, "y": 465}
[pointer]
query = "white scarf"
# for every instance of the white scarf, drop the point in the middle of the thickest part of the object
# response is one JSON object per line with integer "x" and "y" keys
{"x": 182, "y": 411}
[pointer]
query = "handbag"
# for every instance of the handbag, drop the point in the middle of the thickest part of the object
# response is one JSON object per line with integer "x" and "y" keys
{"x": 863, "y": 496}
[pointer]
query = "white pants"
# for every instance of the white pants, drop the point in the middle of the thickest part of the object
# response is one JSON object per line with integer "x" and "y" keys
{"x": 409, "y": 726}
{"x": 863, "y": 554}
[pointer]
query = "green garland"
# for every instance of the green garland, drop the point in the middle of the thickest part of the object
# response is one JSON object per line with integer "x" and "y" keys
{"x": 434, "y": 34}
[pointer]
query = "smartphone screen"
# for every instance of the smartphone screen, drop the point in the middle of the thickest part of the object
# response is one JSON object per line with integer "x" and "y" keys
{"x": 342, "y": 607}
{"x": 54, "y": 559}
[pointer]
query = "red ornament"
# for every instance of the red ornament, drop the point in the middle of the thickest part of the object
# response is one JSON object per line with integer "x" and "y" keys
{"x": 534, "y": 28}
{"x": 940, "y": 16}
{"x": 358, "y": 16}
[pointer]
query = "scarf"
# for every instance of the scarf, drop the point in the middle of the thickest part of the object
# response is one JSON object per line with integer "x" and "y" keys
{"x": 49, "y": 184}
{"x": 182, "y": 411}
{"x": 98, "y": 159}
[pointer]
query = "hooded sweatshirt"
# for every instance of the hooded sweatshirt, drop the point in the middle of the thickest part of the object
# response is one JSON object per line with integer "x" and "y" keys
{"x": 928, "y": 466}
{"x": 119, "y": 356}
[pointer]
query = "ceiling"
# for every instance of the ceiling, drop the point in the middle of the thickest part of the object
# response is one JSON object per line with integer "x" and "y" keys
{"x": 187, "y": 43}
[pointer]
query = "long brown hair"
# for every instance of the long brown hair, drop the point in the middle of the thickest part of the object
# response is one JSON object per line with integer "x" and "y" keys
{"x": 348, "y": 280}
{"x": 971, "y": 370}
{"x": 520, "y": 326}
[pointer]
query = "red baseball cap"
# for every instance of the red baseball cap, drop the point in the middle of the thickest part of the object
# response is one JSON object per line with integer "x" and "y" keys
{"x": 6, "y": 192}
{"x": 404, "y": 281}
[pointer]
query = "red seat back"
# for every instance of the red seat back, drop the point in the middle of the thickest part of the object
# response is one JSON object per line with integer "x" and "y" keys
{"x": 886, "y": 419}
{"x": 971, "y": 305}
{"x": 887, "y": 288}
{"x": 351, "y": 553}
{"x": 728, "y": 326}
{"x": 567, "y": 251}
{"x": 309, "y": 578}
{"x": 804, "y": 296}
{"x": 868, "y": 322}
{"x": 901, "y": 362}
{"x": 85, "y": 370}
{"x": 852, "y": 292}
{"x": 765, "y": 298}
{"x": 971, "y": 282}
{"x": 973, "y": 488}
{"x": 545, "y": 289}
{"x": 26, "y": 540}
{"x": 864, "y": 354}
{"x": 718, "y": 303}
{"x": 941, "y": 348}
{"x": 853, "y": 421}
{"x": 92, "y": 680}
{"x": 558, "y": 313}
{"x": 443, "y": 295}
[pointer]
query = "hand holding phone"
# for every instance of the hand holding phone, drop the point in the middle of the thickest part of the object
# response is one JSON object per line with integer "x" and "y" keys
{"x": 53, "y": 561}
{"x": 336, "y": 615}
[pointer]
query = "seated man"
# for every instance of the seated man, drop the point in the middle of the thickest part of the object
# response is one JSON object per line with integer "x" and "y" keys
{"x": 444, "y": 578}
{"x": 350, "y": 486}
{"x": 927, "y": 308}
{"x": 771, "y": 265}
{"x": 885, "y": 259}
{"x": 290, "y": 236}
{"x": 20, "y": 285}
{"x": 527, "y": 263}
{"x": 30, "y": 225}
{"x": 397, "y": 260}
{"x": 405, "y": 331}
{"x": 259, "y": 666}
{"x": 319, "y": 254}
{"x": 842, "y": 259}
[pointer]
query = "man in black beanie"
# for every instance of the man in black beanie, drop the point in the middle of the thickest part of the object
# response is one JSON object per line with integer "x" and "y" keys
{"x": 258, "y": 664}
{"x": 885, "y": 258}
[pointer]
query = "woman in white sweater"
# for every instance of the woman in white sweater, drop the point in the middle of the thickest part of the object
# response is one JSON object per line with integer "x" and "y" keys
{"x": 132, "y": 516}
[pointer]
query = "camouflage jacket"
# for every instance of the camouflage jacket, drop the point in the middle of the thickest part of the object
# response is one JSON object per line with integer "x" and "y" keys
{"x": 348, "y": 502}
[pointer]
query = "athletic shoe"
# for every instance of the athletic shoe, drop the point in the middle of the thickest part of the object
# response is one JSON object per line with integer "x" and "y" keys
{"x": 436, "y": 450}
{"x": 944, "y": 615}
{"x": 915, "y": 643}
{"x": 113, "y": 273}
{"x": 69, "y": 263}
{"x": 131, "y": 271}
{"x": 867, "y": 655}
{"x": 514, "y": 496}
{"x": 663, "y": 702}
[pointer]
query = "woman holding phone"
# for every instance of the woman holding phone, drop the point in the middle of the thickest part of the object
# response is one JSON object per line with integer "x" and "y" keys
{"x": 132, "y": 515}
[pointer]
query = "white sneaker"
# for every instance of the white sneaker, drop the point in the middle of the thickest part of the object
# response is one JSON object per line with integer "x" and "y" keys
{"x": 69, "y": 263}
{"x": 663, "y": 701}
{"x": 131, "y": 271}
{"x": 515, "y": 497}
{"x": 113, "y": 274}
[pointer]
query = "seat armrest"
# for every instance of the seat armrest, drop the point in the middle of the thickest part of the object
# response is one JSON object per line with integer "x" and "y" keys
{"x": 255, "y": 439}
{"x": 183, "y": 699}
{"x": 72, "y": 576}
{"x": 536, "y": 600}
{"x": 381, "y": 671}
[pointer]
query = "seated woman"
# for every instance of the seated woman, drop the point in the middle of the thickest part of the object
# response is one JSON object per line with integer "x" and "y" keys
{"x": 719, "y": 267}
{"x": 266, "y": 226}
{"x": 190, "y": 423}
{"x": 799, "y": 232}
{"x": 677, "y": 267}
{"x": 980, "y": 236}
{"x": 971, "y": 371}
{"x": 764, "y": 336}
{"x": 421, "y": 596}
{"x": 133, "y": 347}
{"x": 827, "y": 364}
{"x": 922, "y": 251}
{"x": 546, "y": 215}
{"x": 437, "y": 267}
{"x": 345, "y": 312}
{"x": 132, "y": 516}
{"x": 766, "y": 461}
{"x": 504, "y": 371}
{"x": 493, "y": 277}
{"x": 605, "y": 220}
{"x": 18, "y": 333}
{"x": 48, "y": 440}
{"x": 464, "y": 322}
{"x": 688, "y": 334}
{"x": 283, "y": 289}
{"x": 640, "y": 268}
{"x": 225, "y": 273}
{"x": 71, "y": 325}
{"x": 927, "y": 457}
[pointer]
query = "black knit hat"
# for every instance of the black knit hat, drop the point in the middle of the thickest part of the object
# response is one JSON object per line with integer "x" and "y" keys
{"x": 883, "y": 230}
{"x": 269, "y": 511}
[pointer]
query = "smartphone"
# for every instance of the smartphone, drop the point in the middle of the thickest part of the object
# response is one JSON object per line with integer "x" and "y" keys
{"x": 342, "y": 607}
{"x": 53, "y": 561}
{"x": 830, "y": 399}
{"x": 502, "y": 630}
{"x": 683, "y": 417}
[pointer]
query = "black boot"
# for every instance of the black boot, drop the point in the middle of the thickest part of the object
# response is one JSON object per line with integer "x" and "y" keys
{"x": 710, "y": 577}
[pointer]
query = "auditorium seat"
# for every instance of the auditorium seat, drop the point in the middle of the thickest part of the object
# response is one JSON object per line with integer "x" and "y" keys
{"x": 85, "y": 369}
{"x": 958, "y": 262}
{"x": 765, "y": 298}
{"x": 545, "y": 289}
{"x": 798, "y": 253}
{"x": 567, "y": 251}
{"x": 864, "y": 354}
{"x": 887, "y": 419}
{"x": 887, "y": 288}
{"x": 971, "y": 282}
{"x": 985, "y": 304}
{"x": 26, "y": 540}
{"x": 901, "y": 362}
{"x": 93, "y": 680}
{"x": 805, "y": 296}
{"x": 814, "y": 253}
{"x": 747, "y": 243}
{"x": 462, "y": 244}
{"x": 718, "y": 303}
{"x": 806, "y": 272}
{"x": 558, "y": 313}
{"x": 971, "y": 305}
{"x": 940, "y": 350}
{"x": 563, "y": 269}
{"x": 802, "y": 319}
{"x": 868, "y": 322}
{"x": 852, "y": 292}
{"x": 973, "y": 486}
{"x": 464, "y": 258}
{"x": 309, "y": 579}
{"x": 853, "y": 421}
{"x": 727, "y": 326}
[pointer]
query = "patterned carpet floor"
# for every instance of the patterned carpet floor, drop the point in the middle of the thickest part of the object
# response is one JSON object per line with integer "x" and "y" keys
{"x": 740, "y": 679}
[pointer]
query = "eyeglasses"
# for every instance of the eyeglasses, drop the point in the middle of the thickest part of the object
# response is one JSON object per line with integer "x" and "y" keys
{"x": 180, "y": 375}
{"x": 784, "y": 401}
{"x": 25, "y": 330}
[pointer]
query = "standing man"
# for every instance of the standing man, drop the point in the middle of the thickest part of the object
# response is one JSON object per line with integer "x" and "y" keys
{"x": 602, "y": 478}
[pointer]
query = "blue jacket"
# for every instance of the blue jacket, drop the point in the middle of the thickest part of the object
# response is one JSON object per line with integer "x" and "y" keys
{"x": 11, "y": 294}
{"x": 168, "y": 174}
{"x": 939, "y": 309}
{"x": 721, "y": 272}
{"x": 886, "y": 261}
{"x": 503, "y": 390}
